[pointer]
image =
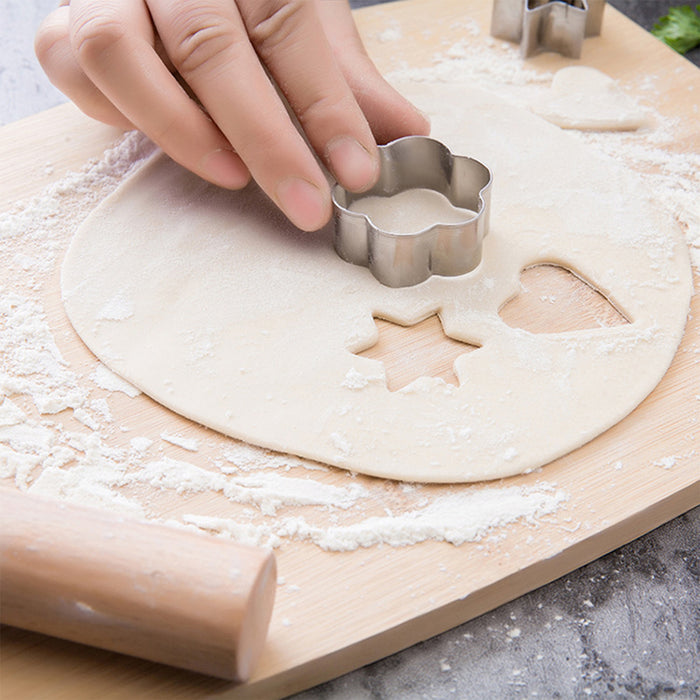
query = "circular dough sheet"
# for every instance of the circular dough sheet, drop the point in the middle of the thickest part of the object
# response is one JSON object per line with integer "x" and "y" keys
{"x": 211, "y": 303}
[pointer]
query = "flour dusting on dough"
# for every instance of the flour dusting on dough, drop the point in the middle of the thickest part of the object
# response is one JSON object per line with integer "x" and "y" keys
{"x": 355, "y": 380}
{"x": 118, "y": 308}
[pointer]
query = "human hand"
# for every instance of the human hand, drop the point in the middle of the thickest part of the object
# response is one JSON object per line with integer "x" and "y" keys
{"x": 193, "y": 76}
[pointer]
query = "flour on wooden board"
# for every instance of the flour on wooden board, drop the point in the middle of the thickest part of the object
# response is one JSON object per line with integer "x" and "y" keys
{"x": 66, "y": 460}
{"x": 181, "y": 441}
{"x": 106, "y": 379}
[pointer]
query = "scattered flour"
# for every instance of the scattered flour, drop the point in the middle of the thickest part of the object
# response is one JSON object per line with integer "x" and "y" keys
{"x": 666, "y": 462}
{"x": 141, "y": 444}
{"x": 341, "y": 443}
{"x": 391, "y": 33}
{"x": 118, "y": 308}
{"x": 32, "y": 365}
{"x": 186, "y": 443}
{"x": 673, "y": 175}
{"x": 456, "y": 518}
{"x": 497, "y": 66}
{"x": 106, "y": 379}
{"x": 10, "y": 413}
{"x": 355, "y": 380}
{"x": 247, "y": 457}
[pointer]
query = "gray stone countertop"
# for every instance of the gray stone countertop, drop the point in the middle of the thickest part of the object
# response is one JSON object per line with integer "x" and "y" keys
{"x": 624, "y": 626}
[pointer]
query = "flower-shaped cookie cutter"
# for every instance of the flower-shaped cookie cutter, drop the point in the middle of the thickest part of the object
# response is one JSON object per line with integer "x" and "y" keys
{"x": 405, "y": 259}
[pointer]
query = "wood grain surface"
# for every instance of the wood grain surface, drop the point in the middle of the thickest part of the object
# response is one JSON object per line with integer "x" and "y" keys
{"x": 347, "y": 609}
{"x": 185, "y": 599}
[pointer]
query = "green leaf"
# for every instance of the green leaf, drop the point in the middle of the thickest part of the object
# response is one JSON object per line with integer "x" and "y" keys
{"x": 680, "y": 28}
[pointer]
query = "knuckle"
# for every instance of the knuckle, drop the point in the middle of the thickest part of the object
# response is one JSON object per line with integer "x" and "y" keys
{"x": 167, "y": 131}
{"x": 94, "y": 33}
{"x": 204, "y": 42}
{"x": 275, "y": 22}
{"x": 50, "y": 34}
{"x": 44, "y": 45}
{"x": 326, "y": 109}
{"x": 96, "y": 107}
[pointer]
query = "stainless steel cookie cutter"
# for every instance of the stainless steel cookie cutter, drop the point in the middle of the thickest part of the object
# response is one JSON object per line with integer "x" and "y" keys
{"x": 547, "y": 25}
{"x": 405, "y": 259}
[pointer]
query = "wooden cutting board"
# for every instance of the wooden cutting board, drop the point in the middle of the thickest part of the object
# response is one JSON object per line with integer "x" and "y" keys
{"x": 338, "y": 611}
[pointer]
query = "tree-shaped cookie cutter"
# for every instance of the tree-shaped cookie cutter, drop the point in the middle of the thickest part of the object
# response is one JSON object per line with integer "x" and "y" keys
{"x": 405, "y": 259}
{"x": 547, "y": 25}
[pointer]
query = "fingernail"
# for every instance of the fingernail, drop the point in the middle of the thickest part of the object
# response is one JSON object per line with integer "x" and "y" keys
{"x": 304, "y": 204}
{"x": 353, "y": 166}
{"x": 225, "y": 168}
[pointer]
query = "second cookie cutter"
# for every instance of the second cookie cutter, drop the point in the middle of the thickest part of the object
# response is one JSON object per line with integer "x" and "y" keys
{"x": 405, "y": 259}
{"x": 547, "y": 25}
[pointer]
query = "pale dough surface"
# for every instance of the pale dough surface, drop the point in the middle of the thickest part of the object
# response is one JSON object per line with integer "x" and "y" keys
{"x": 233, "y": 318}
{"x": 586, "y": 99}
{"x": 411, "y": 211}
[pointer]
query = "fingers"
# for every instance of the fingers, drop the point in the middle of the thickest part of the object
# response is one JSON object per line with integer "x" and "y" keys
{"x": 209, "y": 46}
{"x": 113, "y": 41}
{"x": 53, "y": 49}
{"x": 115, "y": 59}
{"x": 390, "y": 115}
{"x": 289, "y": 38}
{"x": 220, "y": 48}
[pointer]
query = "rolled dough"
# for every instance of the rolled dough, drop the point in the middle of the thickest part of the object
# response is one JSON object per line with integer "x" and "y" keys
{"x": 243, "y": 323}
{"x": 411, "y": 211}
{"x": 586, "y": 99}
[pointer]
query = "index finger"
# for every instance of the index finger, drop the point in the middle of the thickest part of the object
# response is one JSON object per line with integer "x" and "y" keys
{"x": 290, "y": 39}
{"x": 113, "y": 43}
{"x": 208, "y": 44}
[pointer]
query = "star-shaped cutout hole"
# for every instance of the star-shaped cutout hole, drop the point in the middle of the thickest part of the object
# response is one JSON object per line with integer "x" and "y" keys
{"x": 420, "y": 350}
{"x": 552, "y": 299}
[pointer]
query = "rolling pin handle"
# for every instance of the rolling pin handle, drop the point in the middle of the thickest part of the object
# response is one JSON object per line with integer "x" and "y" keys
{"x": 176, "y": 597}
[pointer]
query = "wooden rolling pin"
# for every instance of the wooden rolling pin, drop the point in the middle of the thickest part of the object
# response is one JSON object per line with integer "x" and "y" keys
{"x": 175, "y": 597}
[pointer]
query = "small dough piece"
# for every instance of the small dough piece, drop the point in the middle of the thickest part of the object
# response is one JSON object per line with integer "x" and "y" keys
{"x": 241, "y": 322}
{"x": 411, "y": 211}
{"x": 585, "y": 99}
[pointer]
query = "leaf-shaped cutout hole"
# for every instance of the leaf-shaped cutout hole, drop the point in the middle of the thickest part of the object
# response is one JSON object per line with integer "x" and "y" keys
{"x": 553, "y": 299}
{"x": 420, "y": 350}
